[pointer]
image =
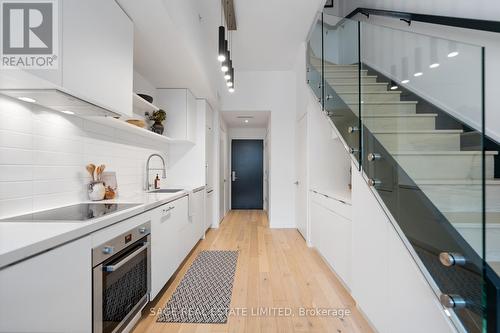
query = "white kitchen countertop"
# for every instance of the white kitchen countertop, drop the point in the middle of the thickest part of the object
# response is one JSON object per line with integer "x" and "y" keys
{"x": 21, "y": 240}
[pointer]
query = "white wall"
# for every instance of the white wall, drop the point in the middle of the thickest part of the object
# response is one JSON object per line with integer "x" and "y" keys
{"x": 272, "y": 91}
{"x": 43, "y": 155}
{"x": 484, "y": 9}
{"x": 143, "y": 86}
{"x": 247, "y": 133}
{"x": 488, "y": 10}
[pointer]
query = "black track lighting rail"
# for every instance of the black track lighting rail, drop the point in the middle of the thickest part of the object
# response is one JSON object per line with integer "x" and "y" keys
{"x": 459, "y": 22}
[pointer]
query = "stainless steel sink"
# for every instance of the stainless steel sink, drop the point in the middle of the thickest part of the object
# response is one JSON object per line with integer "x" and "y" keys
{"x": 167, "y": 190}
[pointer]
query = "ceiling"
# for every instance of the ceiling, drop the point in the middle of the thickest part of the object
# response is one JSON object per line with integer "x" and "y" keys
{"x": 176, "y": 40}
{"x": 256, "y": 119}
{"x": 270, "y": 32}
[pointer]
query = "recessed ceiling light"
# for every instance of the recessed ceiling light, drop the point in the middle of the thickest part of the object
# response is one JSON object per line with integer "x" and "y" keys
{"x": 229, "y": 84}
{"x": 417, "y": 74}
{"x": 227, "y": 76}
{"x": 27, "y": 99}
{"x": 405, "y": 81}
{"x": 434, "y": 65}
{"x": 224, "y": 68}
{"x": 452, "y": 54}
{"x": 246, "y": 121}
{"x": 67, "y": 112}
{"x": 394, "y": 87}
{"x": 231, "y": 90}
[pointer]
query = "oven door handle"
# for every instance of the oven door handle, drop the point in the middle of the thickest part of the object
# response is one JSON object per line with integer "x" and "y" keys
{"x": 112, "y": 268}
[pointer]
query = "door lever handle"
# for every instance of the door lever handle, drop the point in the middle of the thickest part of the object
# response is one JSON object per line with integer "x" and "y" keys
{"x": 296, "y": 183}
{"x": 233, "y": 176}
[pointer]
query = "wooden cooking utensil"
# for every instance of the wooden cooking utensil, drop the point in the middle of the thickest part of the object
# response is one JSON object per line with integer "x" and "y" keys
{"x": 91, "y": 169}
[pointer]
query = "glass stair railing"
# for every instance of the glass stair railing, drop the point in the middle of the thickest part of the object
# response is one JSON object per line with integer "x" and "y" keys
{"x": 407, "y": 107}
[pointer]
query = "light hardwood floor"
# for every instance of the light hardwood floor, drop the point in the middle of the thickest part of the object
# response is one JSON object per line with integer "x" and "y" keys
{"x": 275, "y": 269}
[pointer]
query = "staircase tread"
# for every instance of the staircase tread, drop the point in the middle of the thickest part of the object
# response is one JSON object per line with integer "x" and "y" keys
{"x": 385, "y": 102}
{"x": 444, "y": 152}
{"x": 456, "y": 182}
{"x": 363, "y": 84}
{"x": 348, "y": 77}
{"x": 409, "y": 115}
{"x": 372, "y": 92}
{"x": 410, "y": 131}
{"x": 472, "y": 217}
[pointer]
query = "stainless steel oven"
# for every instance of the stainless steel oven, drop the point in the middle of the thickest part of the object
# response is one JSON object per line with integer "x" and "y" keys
{"x": 121, "y": 279}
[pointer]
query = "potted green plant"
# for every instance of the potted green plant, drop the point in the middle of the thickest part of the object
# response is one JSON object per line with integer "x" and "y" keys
{"x": 158, "y": 117}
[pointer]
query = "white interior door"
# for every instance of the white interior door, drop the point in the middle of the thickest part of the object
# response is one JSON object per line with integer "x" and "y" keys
{"x": 301, "y": 177}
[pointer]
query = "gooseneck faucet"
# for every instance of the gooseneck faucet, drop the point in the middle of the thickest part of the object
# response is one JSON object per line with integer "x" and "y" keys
{"x": 164, "y": 170}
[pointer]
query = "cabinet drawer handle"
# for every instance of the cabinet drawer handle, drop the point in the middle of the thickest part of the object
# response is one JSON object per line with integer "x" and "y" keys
{"x": 168, "y": 209}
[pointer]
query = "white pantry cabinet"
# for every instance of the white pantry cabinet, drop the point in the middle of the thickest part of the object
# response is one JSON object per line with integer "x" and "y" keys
{"x": 181, "y": 108}
{"x": 331, "y": 233}
{"x": 96, "y": 43}
{"x": 206, "y": 114}
{"x": 209, "y": 146}
{"x": 51, "y": 292}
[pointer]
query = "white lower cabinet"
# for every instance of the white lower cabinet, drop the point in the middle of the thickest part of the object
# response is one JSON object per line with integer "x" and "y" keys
{"x": 331, "y": 233}
{"x": 175, "y": 230}
{"x": 51, "y": 292}
{"x": 166, "y": 224}
{"x": 209, "y": 209}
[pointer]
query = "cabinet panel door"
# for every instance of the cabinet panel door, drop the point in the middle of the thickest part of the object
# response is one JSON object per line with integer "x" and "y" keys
{"x": 209, "y": 209}
{"x": 192, "y": 116}
{"x": 98, "y": 44}
{"x": 174, "y": 102}
{"x": 51, "y": 292}
{"x": 164, "y": 243}
{"x": 180, "y": 215}
{"x": 209, "y": 151}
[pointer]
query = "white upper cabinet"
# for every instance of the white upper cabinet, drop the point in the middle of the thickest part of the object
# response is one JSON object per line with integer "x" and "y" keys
{"x": 180, "y": 105}
{"x": 95, "y": 56}
{"x": 98, "y": 45}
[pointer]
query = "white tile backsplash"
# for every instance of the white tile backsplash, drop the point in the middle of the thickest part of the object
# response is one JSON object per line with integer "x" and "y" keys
{"x": 43, "y": 154}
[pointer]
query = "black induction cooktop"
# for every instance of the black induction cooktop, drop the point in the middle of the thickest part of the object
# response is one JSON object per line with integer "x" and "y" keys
{"x": 74, "y": 213}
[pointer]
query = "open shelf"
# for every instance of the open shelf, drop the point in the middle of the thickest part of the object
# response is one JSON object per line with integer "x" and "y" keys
{"x": 141, "y": 105}
{"x": 124, "y": 126}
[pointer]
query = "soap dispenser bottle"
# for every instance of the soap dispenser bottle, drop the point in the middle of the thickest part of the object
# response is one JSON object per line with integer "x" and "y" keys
{"x": 157, "y": 182}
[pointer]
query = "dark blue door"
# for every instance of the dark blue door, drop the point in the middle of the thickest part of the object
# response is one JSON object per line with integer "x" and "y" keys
{"x": 247, "y": 166}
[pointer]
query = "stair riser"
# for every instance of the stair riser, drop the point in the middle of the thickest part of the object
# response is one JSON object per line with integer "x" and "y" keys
{"x": 462, "y": 198}
{"x": 399, "y": 123}
{"x": 419, "y": 142}
{"x": 364, "y": 88}
{"x": 351, "y": 74}
{"x": 318, "y": 65}
{"x": 389, "y": 109}
{"x": 474, "y": 236}
{"x": 441, "y": 167}
{"x": 349, "y": 80}
{"x": 348, "y": 71}
{"x": 370, "y": 98}
{"x": 341, "y": 67}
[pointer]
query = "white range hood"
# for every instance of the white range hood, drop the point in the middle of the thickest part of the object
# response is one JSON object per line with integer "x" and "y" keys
{"x": 58, "y": 100}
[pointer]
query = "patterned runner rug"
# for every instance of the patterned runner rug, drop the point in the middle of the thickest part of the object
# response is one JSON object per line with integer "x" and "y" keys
{"x": 204, "y": 294}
